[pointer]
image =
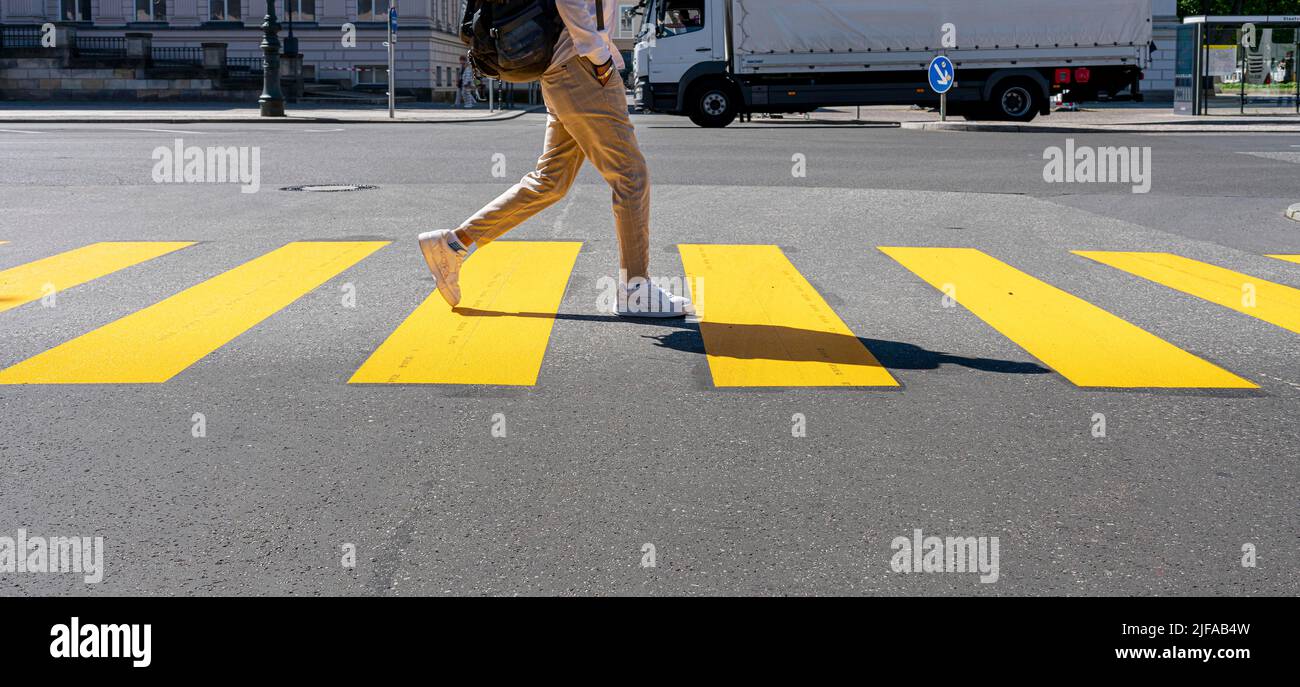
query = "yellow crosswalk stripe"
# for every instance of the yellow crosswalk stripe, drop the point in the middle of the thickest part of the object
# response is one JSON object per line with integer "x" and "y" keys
{"x": 1288, "y": 258}
{"x": 29, "y": 282}
{"x": 1085, "y": 344}
{"x": 510, "y": 293}
{"x": 157, "y": 343}
{"x": 1264, "y": 300}
{"x": 764, "y": 325}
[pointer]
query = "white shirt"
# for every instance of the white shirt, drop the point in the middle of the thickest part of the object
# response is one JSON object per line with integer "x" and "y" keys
{"x": 580, "y": 35}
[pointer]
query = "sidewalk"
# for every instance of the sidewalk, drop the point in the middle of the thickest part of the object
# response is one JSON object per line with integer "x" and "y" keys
{"x": 196, "y": 113}
{"x": 1092, "y": 118}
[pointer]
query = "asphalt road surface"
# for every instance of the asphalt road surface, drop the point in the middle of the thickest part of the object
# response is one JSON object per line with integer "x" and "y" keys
{"x": 239, "y": 390}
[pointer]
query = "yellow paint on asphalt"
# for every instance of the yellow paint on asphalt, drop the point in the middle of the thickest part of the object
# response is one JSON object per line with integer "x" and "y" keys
{"x": 510, "y": 294}
{"x": 1288, "y": 258}
{"x": 764, "y": 325}
{"x": 1085, "y": 344}
{"x": 34, "y": 280}
{"x": 1261, "y": 299}
{"x": 157, "y": 343}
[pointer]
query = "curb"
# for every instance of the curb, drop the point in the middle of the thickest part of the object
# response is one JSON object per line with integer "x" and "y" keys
{"x": 999, "y": 128}
{"x": 1293, "y": 212}
{"x": 506, "y": 115}
{"x": 1099, "y": 129}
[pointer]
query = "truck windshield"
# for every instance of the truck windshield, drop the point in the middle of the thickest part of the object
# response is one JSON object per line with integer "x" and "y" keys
{"x": 675, "y": 17}
{"x": 643, "y": 9}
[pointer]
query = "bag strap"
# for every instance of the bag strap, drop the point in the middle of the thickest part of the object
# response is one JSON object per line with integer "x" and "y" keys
{"x": 600, "y": 15}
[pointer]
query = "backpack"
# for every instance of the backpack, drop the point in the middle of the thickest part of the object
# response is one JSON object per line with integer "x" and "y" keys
{"x": 511, "y": 40}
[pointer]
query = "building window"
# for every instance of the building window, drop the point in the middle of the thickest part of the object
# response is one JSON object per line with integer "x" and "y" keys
{"x": 372, "y": 10}
{"x": 628, "y": 23}
{"x": 372, "y": 75}
{"x": 151, "y": 10}
{"x": 439, "y": 80}
{"x": 74, "y": 10}
{"x": 301, "y": 10}
{"x": 223, "y": 10}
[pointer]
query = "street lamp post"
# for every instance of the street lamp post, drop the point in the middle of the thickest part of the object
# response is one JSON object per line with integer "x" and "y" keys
{"x": 272, "y": 99}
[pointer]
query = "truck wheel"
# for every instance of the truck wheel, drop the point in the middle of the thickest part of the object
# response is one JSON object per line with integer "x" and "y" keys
{"x": 713, "y": 104}
{"x": 1016, "y": 100}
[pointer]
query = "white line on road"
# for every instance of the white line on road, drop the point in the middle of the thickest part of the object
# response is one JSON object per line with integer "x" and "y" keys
{"x": 319, "y": 131}
{"x": 162, "y": 131}
{"x": 20, "y": 131}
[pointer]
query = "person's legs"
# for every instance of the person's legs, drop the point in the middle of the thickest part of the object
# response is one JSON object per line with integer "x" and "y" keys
{"x": 445, "y": 251}
{"x": 550, "y": 181}
{"x": 587, "y": 120}
{"x": 595, "y": 116}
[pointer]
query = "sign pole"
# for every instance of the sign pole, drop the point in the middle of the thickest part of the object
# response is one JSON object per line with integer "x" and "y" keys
{"x": 392, "y": 58}
{"x": 943, "y": 107}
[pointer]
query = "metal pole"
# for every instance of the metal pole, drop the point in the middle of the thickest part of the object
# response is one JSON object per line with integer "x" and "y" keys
{"x": 1243, "y": 75}
{"x": 392, "y": 58}
{"x": 271, "y": 102}
{"x": 492, "y": 91}
{"x": 943, "y": 107}
{"x": 1202, "y": 66}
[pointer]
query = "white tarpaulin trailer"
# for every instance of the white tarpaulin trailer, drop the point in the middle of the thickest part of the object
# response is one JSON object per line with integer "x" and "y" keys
{"x": 830, "y": 32}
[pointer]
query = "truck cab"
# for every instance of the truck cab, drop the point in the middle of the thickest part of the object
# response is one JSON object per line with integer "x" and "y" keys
{"x": 681, "y": 42}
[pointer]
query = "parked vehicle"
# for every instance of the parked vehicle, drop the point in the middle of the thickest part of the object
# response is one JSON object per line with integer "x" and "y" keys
{"x": 714, "y": 59}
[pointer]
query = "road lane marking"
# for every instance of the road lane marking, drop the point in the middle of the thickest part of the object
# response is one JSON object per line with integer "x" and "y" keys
{"x": 30, "y": 282}
{"x": 162, "y": 131}
{"x": 510, "y": 291}
{"x": 1263, "y": 300}
{"x": 1282, "y": 156}
{"x": 153, "y": 345}
{"x": 20, "y": 131}
{"x": 764, "y": 325}
{"x": 1288, "y": 258}
{"x": 1085, "y": 344}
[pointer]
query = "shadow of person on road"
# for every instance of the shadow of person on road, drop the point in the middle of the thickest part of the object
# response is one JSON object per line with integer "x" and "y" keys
{"x": 771, "y": 342}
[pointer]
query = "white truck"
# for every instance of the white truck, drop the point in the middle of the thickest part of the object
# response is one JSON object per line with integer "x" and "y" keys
{"x": 714, "y": 59}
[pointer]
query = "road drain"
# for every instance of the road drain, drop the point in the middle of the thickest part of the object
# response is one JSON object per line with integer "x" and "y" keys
{"x": 329, "y": 188}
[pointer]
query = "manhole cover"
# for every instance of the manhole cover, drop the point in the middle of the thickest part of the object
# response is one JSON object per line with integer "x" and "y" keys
{"x": 328, "y": 188}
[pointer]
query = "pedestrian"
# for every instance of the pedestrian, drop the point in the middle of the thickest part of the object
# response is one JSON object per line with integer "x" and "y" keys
{"x": 587, "y": 119}
{"x": 465, "y": 85}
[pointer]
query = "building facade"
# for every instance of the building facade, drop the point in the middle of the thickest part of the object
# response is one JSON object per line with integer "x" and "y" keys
{"x": 340, "y": 40}
{"x": 1159, "y": 82}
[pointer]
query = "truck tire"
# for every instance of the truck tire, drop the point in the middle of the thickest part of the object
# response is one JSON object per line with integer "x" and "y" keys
{"x": 1015, "y": 100}
{"x": 713, "y": 104}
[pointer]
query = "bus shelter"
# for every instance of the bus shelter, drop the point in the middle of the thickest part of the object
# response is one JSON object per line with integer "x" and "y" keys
{"x": 1237, "y": 65}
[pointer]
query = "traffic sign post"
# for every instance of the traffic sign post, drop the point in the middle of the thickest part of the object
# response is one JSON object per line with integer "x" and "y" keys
{"x": 392, "y": 57}
{"x": 942, "y": 75}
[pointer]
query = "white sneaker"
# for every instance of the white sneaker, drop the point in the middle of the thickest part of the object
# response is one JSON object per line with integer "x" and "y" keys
{"x": 648, "y": 300}
{"x": 444, "y": 263}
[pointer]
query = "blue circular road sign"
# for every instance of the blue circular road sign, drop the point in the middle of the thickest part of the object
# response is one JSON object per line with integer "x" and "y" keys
{"x": 942, "y": 74}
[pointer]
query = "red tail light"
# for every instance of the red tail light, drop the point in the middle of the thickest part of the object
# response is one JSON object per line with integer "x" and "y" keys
{"x": 1063, "y": 76}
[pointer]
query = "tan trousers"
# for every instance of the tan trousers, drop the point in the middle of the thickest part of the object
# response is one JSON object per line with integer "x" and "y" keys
{"x": 586, "y": 121}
